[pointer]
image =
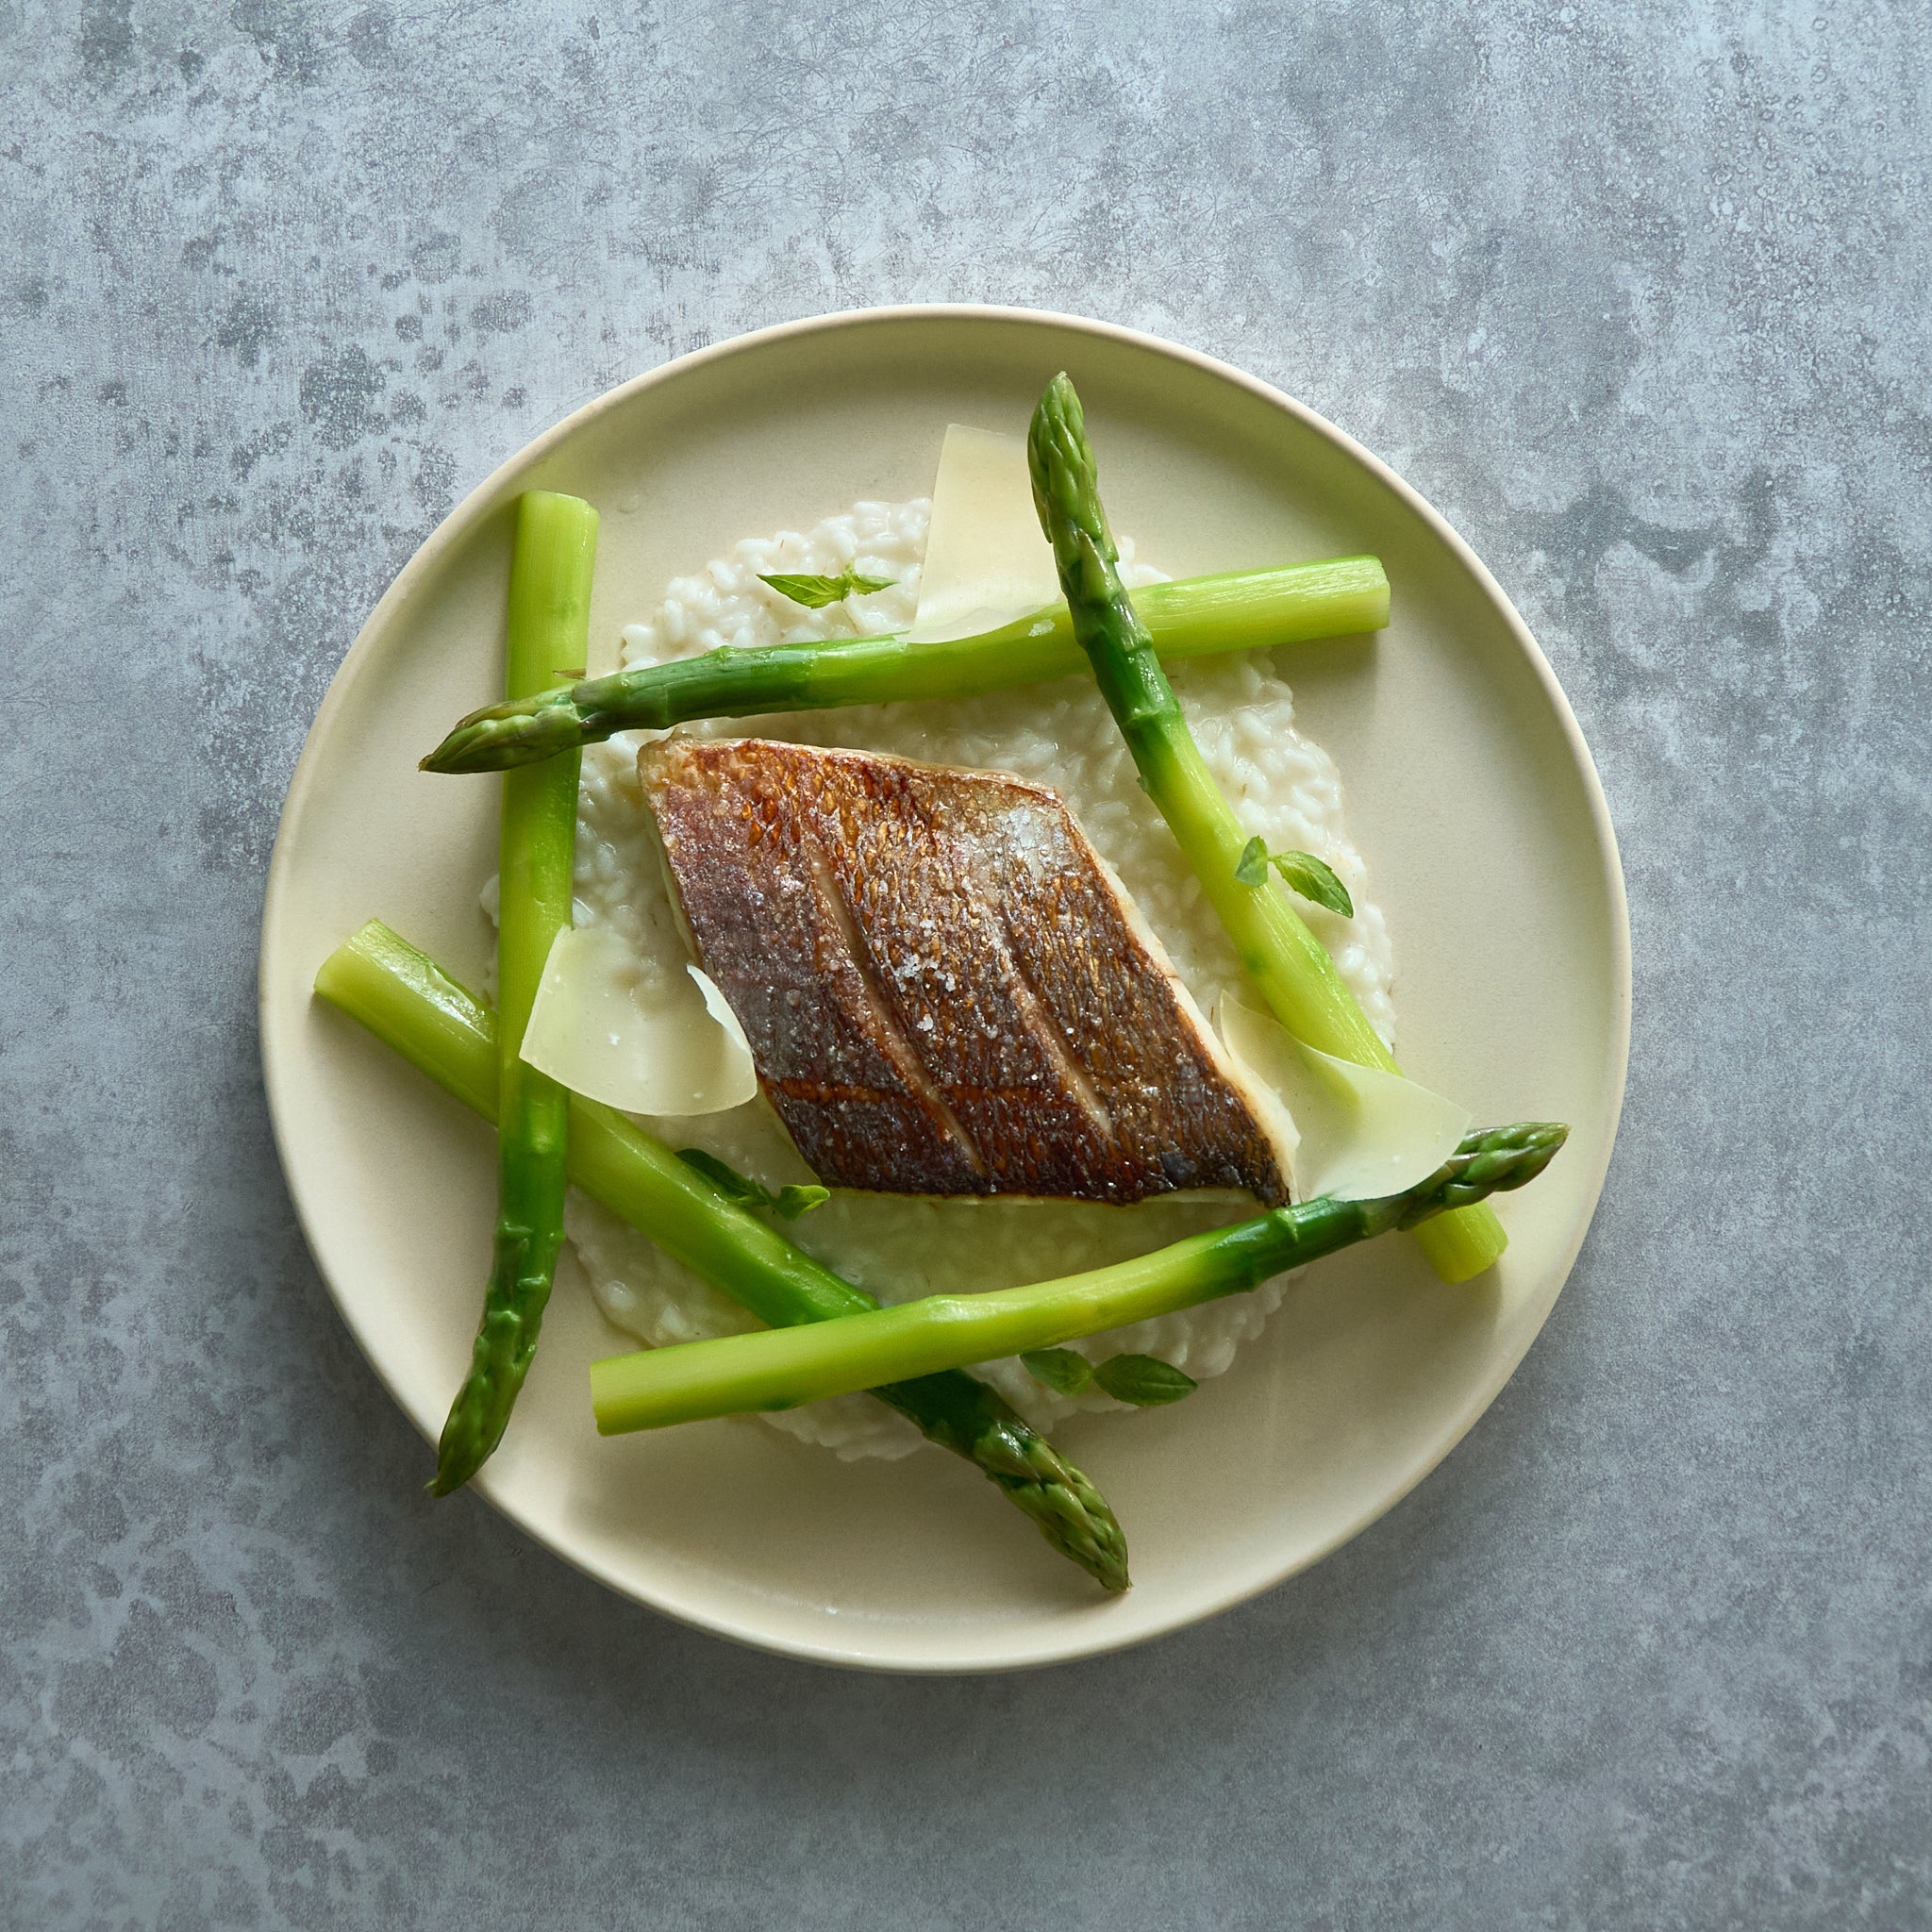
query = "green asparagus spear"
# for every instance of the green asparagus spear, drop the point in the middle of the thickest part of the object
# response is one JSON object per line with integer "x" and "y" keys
{"x": 400, "y": 996}
{"x": 780, "y": 1369}
{"x": 1287, "y": 961}
{"x": 547, "y": 630}
{"x": 1196, "y": 617}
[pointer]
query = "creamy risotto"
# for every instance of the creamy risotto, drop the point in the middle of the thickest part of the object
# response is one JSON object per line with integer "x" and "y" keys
{"x": 1060, "y": 734}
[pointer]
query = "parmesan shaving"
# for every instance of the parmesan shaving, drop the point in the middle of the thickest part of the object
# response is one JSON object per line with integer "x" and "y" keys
{"x": 987, "y": 561}
{"x": 599, "y": 1030}
{"x": 1363, "y": 1133}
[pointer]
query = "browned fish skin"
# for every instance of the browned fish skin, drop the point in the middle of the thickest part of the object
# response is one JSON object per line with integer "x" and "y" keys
{"x": 941, "y": 991}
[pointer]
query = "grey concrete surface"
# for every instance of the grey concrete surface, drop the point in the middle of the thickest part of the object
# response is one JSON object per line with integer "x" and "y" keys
{"x": 1636, "y": 293}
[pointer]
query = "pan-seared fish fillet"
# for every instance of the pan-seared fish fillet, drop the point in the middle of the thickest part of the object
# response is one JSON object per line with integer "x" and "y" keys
{"x": 944, "y": 989}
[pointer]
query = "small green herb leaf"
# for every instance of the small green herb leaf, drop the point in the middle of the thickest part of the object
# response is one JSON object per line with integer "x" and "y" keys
{"x": 1144, "y": 1380}
{"x": 736, "y": 1187}
{"x": 1302, "y": 871}
{"x": 816, "y": 593}
{"x": 1253, "y": 867}
{"x": 1061, "y": 1369}
{"x": 1306, "y": 875}
{"x": 790, "y": 1200}
{"x": 800, "y": 1198}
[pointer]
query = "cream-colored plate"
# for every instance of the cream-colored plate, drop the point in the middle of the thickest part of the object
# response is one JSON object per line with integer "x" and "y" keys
{"x": 1470, "y": 793}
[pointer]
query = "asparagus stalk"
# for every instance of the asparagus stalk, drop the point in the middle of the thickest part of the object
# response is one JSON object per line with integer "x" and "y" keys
{"x": 780, "y": 1369}
{"x": 1196, "y": 617}
{"x": 1286, "y": 961}
{"x": 548, "y": 626}
{"x": 402, "y": 998}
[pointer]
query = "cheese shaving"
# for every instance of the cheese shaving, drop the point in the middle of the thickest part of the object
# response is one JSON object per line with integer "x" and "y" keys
{"x": 599, "y": 1029}
{"x": 1363, "y": 1133}
{"x": 987, "y": 561}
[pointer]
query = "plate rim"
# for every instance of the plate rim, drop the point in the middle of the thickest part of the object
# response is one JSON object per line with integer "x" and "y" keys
{"x": 1084, "y": 1638}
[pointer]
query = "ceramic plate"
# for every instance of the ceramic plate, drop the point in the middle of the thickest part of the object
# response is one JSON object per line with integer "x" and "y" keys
{"x": 1471, "y": 794}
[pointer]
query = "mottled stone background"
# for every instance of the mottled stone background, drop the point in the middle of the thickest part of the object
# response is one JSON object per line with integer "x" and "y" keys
{"x": 1636, "y": 293}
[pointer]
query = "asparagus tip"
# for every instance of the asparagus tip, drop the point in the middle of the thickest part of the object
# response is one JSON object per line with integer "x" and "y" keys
{"x": 448, "y": 755}
{"x": 472, "y": 746}
{"x": 453, "y": 1470}
{"x": 1493, "y": 1162}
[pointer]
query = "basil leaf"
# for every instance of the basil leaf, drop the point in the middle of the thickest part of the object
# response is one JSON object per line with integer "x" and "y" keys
{"x": 1063, "y": 1370}
{"x": 1144, "y": 1380}
{"x": 793, "y": 1199}
{"x": 1306, "y": 875}
{"x": 816, "y": 593}
{"x": 736, "y": 1188}
{"x": 1302, "y": 871}
{"x": 813, "y": 593}
{"x": 1253, "y": 867}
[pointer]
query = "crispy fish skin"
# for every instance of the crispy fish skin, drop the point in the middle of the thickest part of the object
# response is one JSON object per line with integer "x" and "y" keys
{"x": 943, "y": 989}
